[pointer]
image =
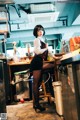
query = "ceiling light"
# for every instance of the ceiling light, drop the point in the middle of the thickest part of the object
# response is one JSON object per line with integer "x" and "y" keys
{"x": 43, "y": 17}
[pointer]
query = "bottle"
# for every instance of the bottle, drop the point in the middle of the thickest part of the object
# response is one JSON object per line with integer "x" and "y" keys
{"x": 46, "y": 42}
{"x": 29, "y": 48}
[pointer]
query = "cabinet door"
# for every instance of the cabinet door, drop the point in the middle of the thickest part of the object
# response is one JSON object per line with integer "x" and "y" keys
{"x": 2, "y": 90}
{"x": 65, "y": 96}
{"x": 70, "y": 93}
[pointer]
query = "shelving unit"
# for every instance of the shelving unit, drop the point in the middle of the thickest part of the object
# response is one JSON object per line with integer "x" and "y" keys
{"x": 3, "y": 20}
{"x": 4, "y": 27}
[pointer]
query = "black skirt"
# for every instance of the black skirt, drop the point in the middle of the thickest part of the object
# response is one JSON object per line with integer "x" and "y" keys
{"x": 36, "y": 63}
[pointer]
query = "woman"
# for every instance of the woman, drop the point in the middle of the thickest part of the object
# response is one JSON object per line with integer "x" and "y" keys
{"x": 37, "y": 65}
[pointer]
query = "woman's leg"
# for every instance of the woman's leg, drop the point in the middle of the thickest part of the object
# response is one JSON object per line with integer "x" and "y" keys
{"x": 36, "y": 83}
{"x": 36, "y": 68}
{"x": 47, "y": 66}
{"x": 36, "y": 80}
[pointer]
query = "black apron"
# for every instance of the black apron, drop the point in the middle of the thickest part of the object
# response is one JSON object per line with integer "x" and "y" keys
{"x": 44, "y": 55}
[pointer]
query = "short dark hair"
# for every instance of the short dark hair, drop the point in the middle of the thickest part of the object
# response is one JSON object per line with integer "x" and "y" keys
{"x": 37, "y": 28}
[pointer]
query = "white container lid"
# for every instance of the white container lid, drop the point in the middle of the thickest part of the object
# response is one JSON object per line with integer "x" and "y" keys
{"x": 57, "y": 83}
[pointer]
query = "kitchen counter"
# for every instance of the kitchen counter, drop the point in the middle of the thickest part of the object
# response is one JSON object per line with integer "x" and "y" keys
{"x": 70, "y": 77}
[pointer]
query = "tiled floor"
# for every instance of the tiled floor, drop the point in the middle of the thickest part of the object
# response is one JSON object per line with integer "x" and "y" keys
{"x": 24, "y": 111}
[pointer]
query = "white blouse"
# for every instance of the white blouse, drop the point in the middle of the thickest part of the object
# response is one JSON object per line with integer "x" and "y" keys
{"x": 37, "y": 46}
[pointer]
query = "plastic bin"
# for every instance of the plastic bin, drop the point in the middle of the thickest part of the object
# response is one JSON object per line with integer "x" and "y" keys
{"x": 57, "y": 86}
{"x": 23, "y": 85}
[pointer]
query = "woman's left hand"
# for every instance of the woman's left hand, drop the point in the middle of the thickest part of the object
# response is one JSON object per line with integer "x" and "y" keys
{"x": 58, "y": 58}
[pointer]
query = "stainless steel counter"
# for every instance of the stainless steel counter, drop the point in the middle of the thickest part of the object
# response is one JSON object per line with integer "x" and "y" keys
{"x": 70, "y": 77}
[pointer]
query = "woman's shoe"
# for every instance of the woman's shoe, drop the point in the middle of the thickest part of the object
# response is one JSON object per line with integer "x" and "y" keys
{"x": 38, "y": 108}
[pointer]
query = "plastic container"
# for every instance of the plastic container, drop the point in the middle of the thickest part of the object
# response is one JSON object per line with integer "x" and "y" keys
{"x": 57, "y": 86}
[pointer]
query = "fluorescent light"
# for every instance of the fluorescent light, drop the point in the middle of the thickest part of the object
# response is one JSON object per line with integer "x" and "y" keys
{"x": 43, "y": 17}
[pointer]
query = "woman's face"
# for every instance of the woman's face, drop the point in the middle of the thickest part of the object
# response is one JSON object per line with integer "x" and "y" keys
{"x": 40, "y": 33}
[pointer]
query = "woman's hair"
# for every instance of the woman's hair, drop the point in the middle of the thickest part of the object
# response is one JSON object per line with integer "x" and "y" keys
{"x": 37, "y": 28}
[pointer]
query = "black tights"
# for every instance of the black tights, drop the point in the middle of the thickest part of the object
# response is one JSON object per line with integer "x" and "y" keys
{"x": 37, "y": 78}
{"x": 36, "y": 84}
